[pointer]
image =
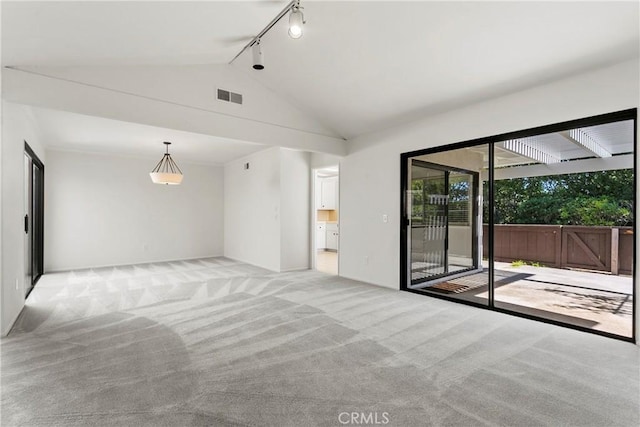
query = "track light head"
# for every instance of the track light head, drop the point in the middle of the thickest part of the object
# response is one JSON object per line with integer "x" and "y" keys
{"x": 296, "y": 21}
{"x": 258, "y": 59}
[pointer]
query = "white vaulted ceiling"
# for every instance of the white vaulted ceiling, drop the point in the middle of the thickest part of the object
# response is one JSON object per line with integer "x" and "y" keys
{"x": 366, "y": 66}
{"x": 360, "y": 67}
{"x": 66, "y": 33}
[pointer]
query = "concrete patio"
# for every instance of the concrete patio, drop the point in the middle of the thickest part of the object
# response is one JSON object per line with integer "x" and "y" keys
{"x": 591, "y": 300}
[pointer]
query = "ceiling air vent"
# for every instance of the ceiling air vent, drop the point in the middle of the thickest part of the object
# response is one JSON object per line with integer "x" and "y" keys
{"x": 225, "y": 95}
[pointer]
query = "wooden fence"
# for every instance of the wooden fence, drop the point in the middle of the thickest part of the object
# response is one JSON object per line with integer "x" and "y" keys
{"x": 564, "y": 246}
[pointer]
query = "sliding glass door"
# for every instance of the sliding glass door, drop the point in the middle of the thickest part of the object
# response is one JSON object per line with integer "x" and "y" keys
{"x": 538, "y": 223}
{"x": 442, "y": 216}
{"x": 428, "y": 222}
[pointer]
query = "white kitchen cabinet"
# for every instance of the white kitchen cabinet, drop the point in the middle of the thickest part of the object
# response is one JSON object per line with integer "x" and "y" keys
{"x": 328, "y": 194}
{"x": 321, "y": 236}
{"x": 332, "y": 237}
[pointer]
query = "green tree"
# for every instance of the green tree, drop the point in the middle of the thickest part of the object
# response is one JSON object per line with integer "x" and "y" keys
{"x": 589, "y": 198}
{"x": 541, "y": 209}
{"x": 615, "y": 183}
{"x": 595, "y": 211}
{"x": 510, "y": 194}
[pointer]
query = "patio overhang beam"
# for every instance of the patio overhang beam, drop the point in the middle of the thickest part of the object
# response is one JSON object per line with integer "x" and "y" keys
{"x": 586, "y": 141}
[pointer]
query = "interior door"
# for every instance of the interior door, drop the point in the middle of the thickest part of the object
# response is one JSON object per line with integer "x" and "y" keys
{"x": 28, "y": 216}
{"x": 33, "y": 218}
{"x": 37, "y": 211}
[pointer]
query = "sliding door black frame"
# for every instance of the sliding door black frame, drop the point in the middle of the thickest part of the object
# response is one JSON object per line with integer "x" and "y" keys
{"x": 630, "y": 114}
{"x": 37, "y": 221}
{"x": 474, "y": 218}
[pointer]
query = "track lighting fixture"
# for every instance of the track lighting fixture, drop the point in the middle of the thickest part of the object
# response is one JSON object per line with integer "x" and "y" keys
{"x": 296, "y": 21}
{"x": 166, "y": 171}
{"x": 258, "y": 60}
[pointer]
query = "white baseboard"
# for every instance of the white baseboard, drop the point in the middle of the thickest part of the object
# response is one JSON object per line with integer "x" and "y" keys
{"x": 295, "y": 269}
{"x": 65, "y": 269}
{"x": 8, "y": 329}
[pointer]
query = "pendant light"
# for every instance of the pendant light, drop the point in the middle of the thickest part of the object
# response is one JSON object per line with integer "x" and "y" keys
{"x": 166, "y": 171}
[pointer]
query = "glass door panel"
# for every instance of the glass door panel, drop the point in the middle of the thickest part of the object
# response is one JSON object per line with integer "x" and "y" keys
{"x": 428, "y": 222}
{"x": 460, "y": 221}
{"x": 561, "y": 235}
{"x": 444, "y": 224}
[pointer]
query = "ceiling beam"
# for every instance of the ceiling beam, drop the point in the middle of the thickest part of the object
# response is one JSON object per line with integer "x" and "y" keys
{"x": 586, "y": 141}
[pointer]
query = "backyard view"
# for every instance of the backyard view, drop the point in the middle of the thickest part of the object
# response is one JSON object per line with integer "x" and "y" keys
{"x": 564, "y": 247}
{"x": 562, "y": 235}
{"x": 589, "y": 198}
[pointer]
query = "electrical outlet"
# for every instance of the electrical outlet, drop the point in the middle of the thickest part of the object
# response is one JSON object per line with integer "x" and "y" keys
{"x": 17, "y": 284}
{"x": 385, "y": 218}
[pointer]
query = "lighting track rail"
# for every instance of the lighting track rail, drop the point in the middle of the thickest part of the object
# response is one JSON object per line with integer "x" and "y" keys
{"x": 296, "y": 15}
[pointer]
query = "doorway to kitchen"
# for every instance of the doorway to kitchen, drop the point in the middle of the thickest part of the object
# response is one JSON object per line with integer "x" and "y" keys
{"x": 326, "y": 224}
{"x": 33, "y": 218}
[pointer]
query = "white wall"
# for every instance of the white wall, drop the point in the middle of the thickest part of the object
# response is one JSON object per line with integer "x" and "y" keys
{"x": 370, "y": 174}
{"x": 295, "y": 191}
{"x": 267, "y": 209}
{"x": 322, "y": 160}
{"x": 17, "y": 127}
{"x": 252, "y": 209}
{"x": 103, "y": 210}
{"x": 2, "y": 281}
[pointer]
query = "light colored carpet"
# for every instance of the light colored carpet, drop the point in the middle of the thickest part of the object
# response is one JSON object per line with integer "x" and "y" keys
{"x": 216, "y": 342}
